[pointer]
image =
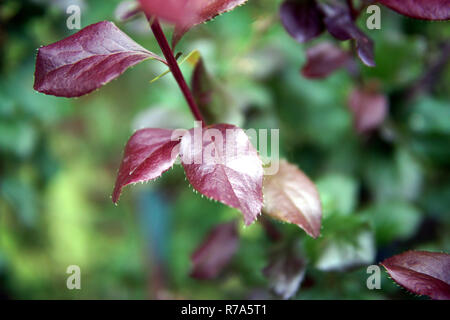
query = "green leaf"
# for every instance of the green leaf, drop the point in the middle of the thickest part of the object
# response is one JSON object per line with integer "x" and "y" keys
{"x": 339, "y": 192}
{"x": 393, "y": 220}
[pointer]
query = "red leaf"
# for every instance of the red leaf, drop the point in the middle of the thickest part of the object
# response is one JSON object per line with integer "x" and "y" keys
{"x": 215, "y": 252}
{"x": 421, "y": 272}
{"x": 86, "y": 60}
{"x": 323, "y": 59}
{"x": 187, "y": 13}
{"x": 340, "y": 24}
{"x": 302, "y": 20}
{"x": 223, "y": 165}
{"x": 420, "y": 9}
{"x": 148, "y": 154}
{"x": 291, "y": 197}
{"x": 369, "y": 108}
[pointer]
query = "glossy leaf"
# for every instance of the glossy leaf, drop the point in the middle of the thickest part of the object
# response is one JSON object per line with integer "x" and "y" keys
{"x": 86, "y": 60}
{"x": 187, "y": 13}
{"x": 148, "y": 154}
{"x": 224, "y": 166}
{"x": 369, "y": 109}
{"x": 285, "y": 272}
{"x": 421, "y": 272}
{"x": 420, "y": 9}
{"x": 216, "y": 251}
{"x": 291, "y": 196}
{"x": 302, "y": 19}
{"x": 323, "y": 59}
{"x": 340, "y": 24}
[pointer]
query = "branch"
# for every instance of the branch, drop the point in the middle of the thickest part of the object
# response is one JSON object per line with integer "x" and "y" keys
{"x": 174, "y": 68}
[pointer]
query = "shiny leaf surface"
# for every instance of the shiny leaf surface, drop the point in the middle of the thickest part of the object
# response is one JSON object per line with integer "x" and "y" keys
{"x": 291, "y": 196}
{"x": 421, "y": 272}
{"x": 420, "y": 9}
{"x": 225, "y": 166}
{"x": 148, "y": 154}
{"x": 87, "y": 60}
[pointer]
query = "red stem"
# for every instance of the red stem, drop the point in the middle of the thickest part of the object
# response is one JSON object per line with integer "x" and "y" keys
{"x": 175, "y": 69}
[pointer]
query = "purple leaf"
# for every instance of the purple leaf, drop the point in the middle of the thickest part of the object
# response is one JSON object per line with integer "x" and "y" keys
{"x": 224, "y": 166}
{"x": 187, "y": 13}
{"x": 421, "y": 272}
{"x": 365, "y": 48}
{"x": 285, "y": 273}
{"x": 340, "y": 24}
{"x": 215, "y": 252}
{"x": 323, "y": 59}
{"x": 420, "y": 9}
{"x": 302, "y": 20}
{"x": 148, "y": 154}
{"x": 86, "y": 60}
{"x": 338, "y": 21}
{"x": 369, "y": 108}
{"x": 291, "y": 197}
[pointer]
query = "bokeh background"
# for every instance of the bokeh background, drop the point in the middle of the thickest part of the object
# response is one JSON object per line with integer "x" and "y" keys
{"x": 382, "y": 193}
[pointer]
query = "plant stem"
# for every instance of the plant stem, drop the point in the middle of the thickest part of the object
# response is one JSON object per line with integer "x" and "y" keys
{"x": 174, "y": 68}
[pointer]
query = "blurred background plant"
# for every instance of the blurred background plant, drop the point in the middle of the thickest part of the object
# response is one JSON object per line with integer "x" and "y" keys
{"x": 383, "y": 191}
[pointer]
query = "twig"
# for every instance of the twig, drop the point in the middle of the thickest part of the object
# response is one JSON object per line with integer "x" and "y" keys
{"x": 174, "y": 68}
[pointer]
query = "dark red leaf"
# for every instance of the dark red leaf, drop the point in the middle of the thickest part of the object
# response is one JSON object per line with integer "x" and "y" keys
{"x": 223, "y": 165}
{"x": 339, "y": 23}
{"x": 323, "y": 59}
{"x": 421, "y": 272}
{"x": 369, "y": 108}
{"x": 302, "y": 19}
{"x": 86, "y": 60}
{"x": 215, "y": 252}
{"x": 187, "y": 13}
{"x": 290, "y": 196}
{"x": 420, "y": 9}
{"x": 285, "y": 272}
{"x": 148, "y": 154}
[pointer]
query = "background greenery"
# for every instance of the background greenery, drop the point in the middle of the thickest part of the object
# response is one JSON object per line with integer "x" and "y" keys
{"x": 382, "y": 194}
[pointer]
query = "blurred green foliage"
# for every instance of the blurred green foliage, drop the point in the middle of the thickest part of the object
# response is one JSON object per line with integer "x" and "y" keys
{"x": 382, "y": 194}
